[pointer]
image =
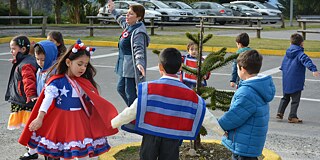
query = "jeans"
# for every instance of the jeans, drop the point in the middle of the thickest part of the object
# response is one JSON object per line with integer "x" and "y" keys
{"x": 127, "y": 89}
{"x": 294, "y": 103}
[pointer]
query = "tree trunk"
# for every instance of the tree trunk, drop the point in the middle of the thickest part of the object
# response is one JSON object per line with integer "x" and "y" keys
{"x": 13, "y": 11}
{"x": 57, "y": 11}
{"x": 77, "y": 12}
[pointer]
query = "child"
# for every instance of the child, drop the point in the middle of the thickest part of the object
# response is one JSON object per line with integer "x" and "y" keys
{"x": 293, "y": 68}
{"x": 57, "y": 38}
{"x": 163, "y": 114}
{"x": 191, "y": 61}
{"x": 246, "y": 122}
{"x": 46, "y": 55}
{"x": 242, "y": 42}
{"x": 70, "y": 119}
{"x": 21, "y": 90}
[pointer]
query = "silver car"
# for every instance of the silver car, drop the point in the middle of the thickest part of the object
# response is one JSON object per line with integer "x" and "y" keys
{"x": 123, "y": 6}
{"x": 213, "y": 9}
{"x": 171, "y": 13}
{"x": 185, "y": 7}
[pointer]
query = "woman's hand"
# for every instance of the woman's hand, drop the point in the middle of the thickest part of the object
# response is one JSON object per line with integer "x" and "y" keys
{"x": 141, "y": 69}
{"x": 110, "y": 5}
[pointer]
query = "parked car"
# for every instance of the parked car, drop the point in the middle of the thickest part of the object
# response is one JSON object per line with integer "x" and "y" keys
{"x": 165, "y": 10}
{"x": 242, "y": 11}
{"x": 183, "y": 6}
{"x": 123, "y": 6}
{"x": 213, "y": 9}
{"x": 259, "y": 7}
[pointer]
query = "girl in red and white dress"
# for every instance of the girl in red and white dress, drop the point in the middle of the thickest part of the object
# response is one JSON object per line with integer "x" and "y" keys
{"x": 70, "y": 119}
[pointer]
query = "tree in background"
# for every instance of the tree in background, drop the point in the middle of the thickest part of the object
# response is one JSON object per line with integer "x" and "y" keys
{"x": 57, "y": 11}
{"x": 13, "y": 11}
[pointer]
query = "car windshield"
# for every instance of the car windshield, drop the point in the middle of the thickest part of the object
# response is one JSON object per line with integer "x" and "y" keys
{"x": 244, "y": 8}
{"x": 132, "y": 2}
{"x": 183, "y": 5}
{"x": 260, "y": 5}
{"x": 217, "y": 5}
{"x": 160, "y": 4}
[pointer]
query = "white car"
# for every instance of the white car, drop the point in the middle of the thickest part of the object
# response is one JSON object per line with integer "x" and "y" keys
{"x": 259, "y": 7}
{"x": 123, "y": 6}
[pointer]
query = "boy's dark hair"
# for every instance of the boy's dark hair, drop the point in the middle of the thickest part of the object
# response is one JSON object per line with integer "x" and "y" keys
{"x": 171, "y": 60}
{"x": 139, "y": 10}
{"x": 57, "y": 36}
{"x": 62, "y": 68}
{"x": 251, "y": 61}
{"x": 244, "y": 39}
{"x": 191, "y": 44}
{"x": 38, "y": 49}
{"x": 296, "y": 39}
{"x": 22, "y": 41}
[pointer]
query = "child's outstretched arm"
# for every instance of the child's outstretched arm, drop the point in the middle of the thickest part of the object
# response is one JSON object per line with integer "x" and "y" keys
{"x": 126, "y": 116}
{"x": 211, "y": 122}
{"x": 29, "y": 81}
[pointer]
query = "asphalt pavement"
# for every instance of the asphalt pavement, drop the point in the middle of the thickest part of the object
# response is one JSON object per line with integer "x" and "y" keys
{"x": 290, "y": 141}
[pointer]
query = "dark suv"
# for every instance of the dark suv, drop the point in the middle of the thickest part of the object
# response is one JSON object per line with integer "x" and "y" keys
{"x": 213, "y": 9}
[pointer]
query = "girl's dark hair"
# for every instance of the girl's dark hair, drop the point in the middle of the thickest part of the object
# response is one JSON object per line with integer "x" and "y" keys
{"x": 139, "y": 10}
{"x": 59, "y": 38}
{"x": 61, "y": 67}
{"x": 22, "y": 41}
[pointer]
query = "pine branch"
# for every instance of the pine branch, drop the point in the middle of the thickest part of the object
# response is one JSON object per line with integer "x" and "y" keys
{"x": 207, "y": 92}
{"x": 157, "y": 52}
{"x": 192, "y": 38}
{"x": 189, "y": 70}
{"x": 207, "y": 38}
{"x": 225, "y": 62}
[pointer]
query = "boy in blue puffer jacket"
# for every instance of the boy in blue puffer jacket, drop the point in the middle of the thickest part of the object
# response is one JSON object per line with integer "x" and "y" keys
{"x": 293, "y": 68}
{"x": 246, "y": 122}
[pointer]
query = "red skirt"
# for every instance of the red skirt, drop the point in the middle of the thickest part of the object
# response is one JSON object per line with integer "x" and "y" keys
{"x": 68, "y": 134}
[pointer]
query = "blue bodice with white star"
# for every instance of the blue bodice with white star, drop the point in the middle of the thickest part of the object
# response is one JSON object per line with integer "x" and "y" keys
{"x": 67, "y": 97}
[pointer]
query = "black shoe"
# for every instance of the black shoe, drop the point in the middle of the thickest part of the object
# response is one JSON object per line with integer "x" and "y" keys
{"x": 34, "y": 156}
{"x": 49, "y": 158}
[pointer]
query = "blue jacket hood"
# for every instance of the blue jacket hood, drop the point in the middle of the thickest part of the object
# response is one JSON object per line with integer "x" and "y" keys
{"x": 263, "y": 85}
{"x": 51, "y": 53}
{"x": 294, "y": 51}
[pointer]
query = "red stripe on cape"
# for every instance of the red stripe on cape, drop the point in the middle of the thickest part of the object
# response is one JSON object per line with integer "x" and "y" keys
{"x": 101, "y": 113}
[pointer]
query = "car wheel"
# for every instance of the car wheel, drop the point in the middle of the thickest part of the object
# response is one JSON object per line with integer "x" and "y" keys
{"x": 273, "y": 22}
{"x": 222, "y": 22}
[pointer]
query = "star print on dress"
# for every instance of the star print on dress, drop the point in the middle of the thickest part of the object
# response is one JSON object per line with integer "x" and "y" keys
{"x": 64, "y": 91}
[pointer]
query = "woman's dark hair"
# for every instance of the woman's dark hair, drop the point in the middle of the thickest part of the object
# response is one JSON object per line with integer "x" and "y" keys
{"x": 22, "y": 41}
{"x": 61, "y": 67}
{"x": 139, "y": 10}
{"x": 57, "y": 36}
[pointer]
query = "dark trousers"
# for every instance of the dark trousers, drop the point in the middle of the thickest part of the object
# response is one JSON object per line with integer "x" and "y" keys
{"x": 294, "y": 103}
{"x": 127, "y": 89}
{"x": 238, "y": 157}
{"x": 158, "y": 148}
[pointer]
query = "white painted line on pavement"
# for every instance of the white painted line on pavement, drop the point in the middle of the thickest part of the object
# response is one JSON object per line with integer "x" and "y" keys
{"x": 5, "y": 60}
{"x": 155, "y": 68}
{"x": 105, "y": 55}
{"x": 311, "y": 80}
{"x": 102, "y": 66}
{"x": 271, "y": 71}
{"x": 6, "y": 53}
{"x": 303, "y": 99}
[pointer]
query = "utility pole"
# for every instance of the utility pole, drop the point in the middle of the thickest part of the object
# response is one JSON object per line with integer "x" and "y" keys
{"x": 291, "y": 12}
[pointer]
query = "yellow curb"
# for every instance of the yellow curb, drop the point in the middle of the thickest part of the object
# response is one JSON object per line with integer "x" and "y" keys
{"x": 162, "y": 46}
{"x": 268, "y": 154}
